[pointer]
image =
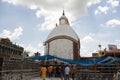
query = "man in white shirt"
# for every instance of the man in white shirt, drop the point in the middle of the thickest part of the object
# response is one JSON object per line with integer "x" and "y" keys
{"x": 67, "y": 72}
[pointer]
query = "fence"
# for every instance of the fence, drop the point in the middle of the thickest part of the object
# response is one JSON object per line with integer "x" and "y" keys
{"x": 97, "y": 72}
{"x": 19, "y": 74}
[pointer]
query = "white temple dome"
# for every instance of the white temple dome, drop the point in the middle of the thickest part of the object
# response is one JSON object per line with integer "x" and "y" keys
{"x": 63, "y": 31}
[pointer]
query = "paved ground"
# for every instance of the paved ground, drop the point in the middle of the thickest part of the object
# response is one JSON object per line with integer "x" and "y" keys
{"x": 38, "y": 78}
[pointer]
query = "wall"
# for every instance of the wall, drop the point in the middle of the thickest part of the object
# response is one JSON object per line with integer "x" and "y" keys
{"x": 61, "y": 48}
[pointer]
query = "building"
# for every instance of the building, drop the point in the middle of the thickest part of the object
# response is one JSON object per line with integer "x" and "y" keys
{"x": 12, "y": 61}
{"x": 10, "y": 54}
{"x": 113, "y": 51}
{"x": 10, "y": 50}
{"x": 94, "y": 54}
{"x": 63, "y": 41}
{"x": 37, "y": 54}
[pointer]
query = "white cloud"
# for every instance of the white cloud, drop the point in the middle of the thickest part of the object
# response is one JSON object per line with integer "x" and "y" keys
{"x": 40, "y": 44}
{"x": 87, "y": 46}
{"x": 17, "y": 32}
{"x": 87, "y": 39}
{"x": 33, "y": 7}
{"x": 91, "y": 2}
{"x": 50, "y": 20}
{"x": 117, "y": 42}
{"x": 30, "y": 49}
{"x": 114, "y": 3}
{"x": 39, "y": 48}
{"x": 5, "y": 33}
{"x": 101, "y": 9}
{"x": 111, "y": 23}
{"x": 15, "y": 35}
{"x": 52, "y": 9}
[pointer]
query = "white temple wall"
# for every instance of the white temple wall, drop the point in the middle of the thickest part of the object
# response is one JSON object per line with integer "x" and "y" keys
{"x": 61, "y": 48}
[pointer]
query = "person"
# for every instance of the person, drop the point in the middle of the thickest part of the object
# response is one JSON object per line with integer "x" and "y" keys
{"x": 67, "y": 72}
{"x": 114, "y": 77}
{"x": 62, "y": 72}
{"x": 43, "y": 72}
{"x": 72, "y": 72}
{"x": 50, "y": 69}
{"x": 57, "y": 71}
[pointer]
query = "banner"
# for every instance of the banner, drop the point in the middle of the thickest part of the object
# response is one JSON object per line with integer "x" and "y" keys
{"x": 112, "y": 47}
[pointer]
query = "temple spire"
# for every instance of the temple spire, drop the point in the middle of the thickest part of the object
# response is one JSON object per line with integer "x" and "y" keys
{"x": 63, "y": 12}
{"x": 56, "y": 25}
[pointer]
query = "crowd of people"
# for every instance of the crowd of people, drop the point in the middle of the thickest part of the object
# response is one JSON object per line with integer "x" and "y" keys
{"x": 65, "y": 72}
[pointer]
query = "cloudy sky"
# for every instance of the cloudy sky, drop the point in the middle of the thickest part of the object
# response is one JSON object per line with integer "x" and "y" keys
{"x": 28, "y": 22}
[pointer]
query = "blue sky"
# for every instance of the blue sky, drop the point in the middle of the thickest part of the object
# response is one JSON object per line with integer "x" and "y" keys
{"x": 29, "y": 22}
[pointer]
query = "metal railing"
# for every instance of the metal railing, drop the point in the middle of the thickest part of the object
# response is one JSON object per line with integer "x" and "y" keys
{"x": 96, "y": 72}
{"x": 19, "y": 74}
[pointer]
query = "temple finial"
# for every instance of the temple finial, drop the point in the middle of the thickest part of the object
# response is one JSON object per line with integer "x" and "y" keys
{"x": 63, "y": 12}
{"x": 56, "y": 25}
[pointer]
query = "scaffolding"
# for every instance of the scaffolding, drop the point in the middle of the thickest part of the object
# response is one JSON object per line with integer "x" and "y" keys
{"x": 98, "y": 72}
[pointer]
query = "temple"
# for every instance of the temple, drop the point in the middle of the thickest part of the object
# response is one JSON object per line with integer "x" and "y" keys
{"x": 63, "y": 41}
